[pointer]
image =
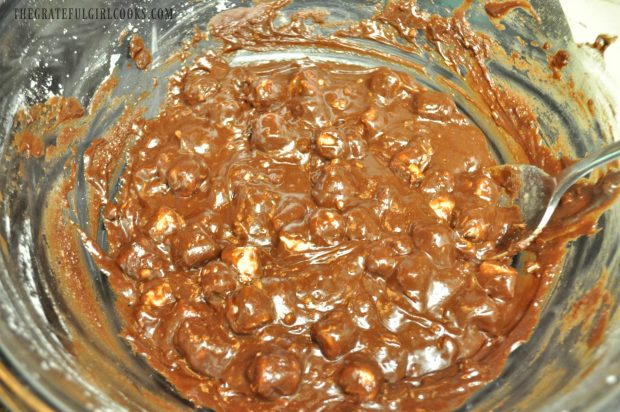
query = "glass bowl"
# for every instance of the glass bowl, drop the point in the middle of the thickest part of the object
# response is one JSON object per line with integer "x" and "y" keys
{"x": 59, "y": 351}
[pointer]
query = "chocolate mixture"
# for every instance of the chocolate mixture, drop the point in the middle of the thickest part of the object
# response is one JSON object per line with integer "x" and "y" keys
{"x": 304, "y": 235}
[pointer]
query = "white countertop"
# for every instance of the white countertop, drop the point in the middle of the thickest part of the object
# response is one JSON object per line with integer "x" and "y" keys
{"x": 588, "y": 19}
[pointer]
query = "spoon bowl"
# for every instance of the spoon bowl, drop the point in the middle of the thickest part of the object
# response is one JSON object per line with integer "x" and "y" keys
{"x": 537, "y": 194}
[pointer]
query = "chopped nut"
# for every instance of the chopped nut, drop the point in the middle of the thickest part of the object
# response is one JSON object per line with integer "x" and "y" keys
{"x": 532, "y": 267}
{"x": 165, "y": 222}
{"x": 335, "y": 333}
{"x": 306, "y": 83}
{"x": 361, "y": 224}
{"x": 361, "y": 378}
{"x": 385, "y": 83}
{"x": 146, "y": 273}
{"x": 485, "y": 189}
{"x": 474, "y": 232}
{"x": 199, "y": 85}
{"x": 339, "y": 104}
{"x": 270, "y": 133}
{"x": 433, "y": 105}
{"x": 473, "y": 225}
{"x": 207, "y": 346}
{"x": 411, "y": 162}
{"x": 160, "y": 295}
{"x": 217, "y": 279}
{"x": 496, "y": 268}
{"x": 193, "y": 248}
{"x": 263, "y": 88}
{"x": 264, "y": 93}
{"x": 245, "y": 259}
{"x": 381, "y": 261}
{"x": 498, "y": 279}
{"x": 140, "y": 259}
{"x": 293, "y": 244}
{"x": 185, "y": 175}
{"x": 480, "y": 309}
{"x": 289, "y": 319}
{"x": 330, "y": 145}
{"x": 275, "y": 374}
{"x": 249, "y": 309}
{"x": 438, "y": 181}
{"x": 443, "y": 207}
{"x": 327, "y": 226}
{"x": 336, "y": 186}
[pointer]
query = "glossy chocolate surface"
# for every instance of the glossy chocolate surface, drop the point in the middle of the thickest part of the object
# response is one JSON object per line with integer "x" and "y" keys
{"x": 307, "y": 234}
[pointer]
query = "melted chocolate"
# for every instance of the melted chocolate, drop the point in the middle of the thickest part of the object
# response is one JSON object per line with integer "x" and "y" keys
{"x": 139, "y": 53}
{"x": 498, "y": 10}
{"x": 558, "y": 61}
{"x": 602, "y": 42}
{"x": 298, "y": 225}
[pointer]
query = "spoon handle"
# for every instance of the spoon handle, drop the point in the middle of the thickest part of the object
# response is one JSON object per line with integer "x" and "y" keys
{"x": 572, "y": 174}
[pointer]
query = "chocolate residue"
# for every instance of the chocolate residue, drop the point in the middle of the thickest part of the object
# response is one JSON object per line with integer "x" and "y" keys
{"x": 558, "y": 61}
{"x": 602, "y": 42}
{"x": 499, "y": 10}
{"x": 139, "y": 53}
{"x": 471, "y": 50}
{"x": 69, "y": 109}
{"x": 593, "y": 322}
{"x": 29, "y": 144}
{"x": 320, "y": 236}
{"x": 33, "y": 125}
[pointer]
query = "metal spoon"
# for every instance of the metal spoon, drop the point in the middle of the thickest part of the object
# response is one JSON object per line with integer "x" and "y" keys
{"x": 539, "y": 194}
